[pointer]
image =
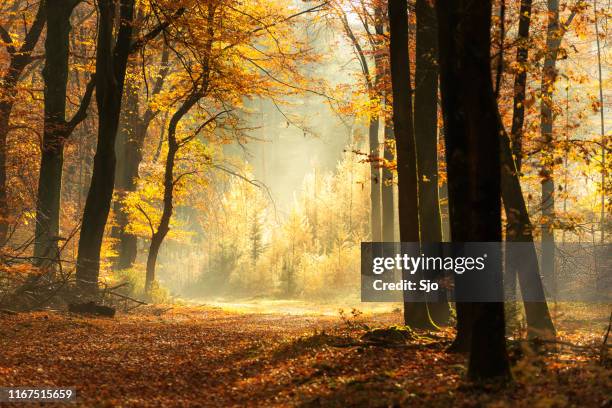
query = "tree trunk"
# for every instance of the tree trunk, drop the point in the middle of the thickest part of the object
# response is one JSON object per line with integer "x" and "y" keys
{"x": 375, "y": 182}
{"x": 19, "y": 60}
{"x": 554, "y": 34}
{"x": 426, "y": 134}
{"x": 198, "y": 92}
{"x": 602, "y": 123}
{"x": 471, "y": 123}
{"x": 416, "y": 314}
{"x": 55, "y": 75}
{"x": 388, "y": 205}
{"x": 168, "y": 205}
{"x": 520, "y": 82}
{"x": 516, "y": 133}
{"x": 522, "y": 260}
{"x": 111, "y": 63}
{"x": 130, "y": 141}
{"x": 128, "y": 145}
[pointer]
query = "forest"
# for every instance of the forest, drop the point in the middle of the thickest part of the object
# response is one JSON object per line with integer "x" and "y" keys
{"x": 192, "y": 192}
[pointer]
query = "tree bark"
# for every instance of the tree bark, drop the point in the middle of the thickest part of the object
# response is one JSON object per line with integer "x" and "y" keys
{"x": 19, "y": 59}
{"x": 198, "y": 92}
{"x": 523, "y": 260}
{"x": 388, "y": 203}
{"x": 520, "y": 83}
{"x": 128, "y": 146}
{"x": 375, "y": 180}
{"x": 111, "y": 63}
{"x": 130, "y": 141}
{"x": 426, "y": 134}
{"x": 549, "y": 75}
{"x": 471, "y": 123}
{"x": 55, "y": 75}
{"x": 416, "y": 314}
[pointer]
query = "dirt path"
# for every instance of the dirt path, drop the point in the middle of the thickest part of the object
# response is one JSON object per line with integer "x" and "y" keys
{"x": 211, "y": 357}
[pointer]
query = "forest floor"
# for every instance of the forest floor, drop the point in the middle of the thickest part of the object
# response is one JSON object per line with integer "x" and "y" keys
{"x": 209, "y": 356}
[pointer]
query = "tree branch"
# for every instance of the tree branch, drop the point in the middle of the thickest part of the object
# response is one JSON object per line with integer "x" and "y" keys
{"x": 81, "y": 113}
{"x": 141, "y": 42}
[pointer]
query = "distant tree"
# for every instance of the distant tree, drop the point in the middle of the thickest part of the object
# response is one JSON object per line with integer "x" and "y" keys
{"x": 554, "y": 35}
{"x": 372, "y": 75}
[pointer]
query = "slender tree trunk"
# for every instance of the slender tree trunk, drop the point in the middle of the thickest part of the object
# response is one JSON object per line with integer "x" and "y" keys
{"x": 19, "y": 59}
{"x": 602, "y": 215}
{"x": 516, "y": 134}
{"x": 471, "y": 123}
{"x": 111, "y": 63}
{"x": 168, "y": 204}
{"x": 375, "y": 181}
{"x": 523, "y": 260}
{"x": 426, "y": 134}
{"x": 416, "y": 314}
{"x": 386, "y": 183}
{"x": 554, "y": 35}
{"x": 388, "y": 203}
{"x": 198, "y": 92}
{"x": 520, "y": 82}
{"x": 55, "y": 75}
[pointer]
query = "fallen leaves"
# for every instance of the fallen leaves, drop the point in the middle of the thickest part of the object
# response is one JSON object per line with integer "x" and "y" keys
{"x": 198, "y": 356}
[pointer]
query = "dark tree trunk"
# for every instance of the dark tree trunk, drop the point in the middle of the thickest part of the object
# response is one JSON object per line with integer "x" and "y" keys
{"x": 523, "y": 263}
{"x": 516, "y": 134}
{"x": 375, "y": 181}
{"x": 388, "y": 204}
{"x": 386, "y": 182}
{"x": 198, "y": 92}
{"x": 554, "y": 34}
{"x": 111, "y": 63}
{"x": 160, "y": 233}
{"x": 426, "y": 134}
{"x": 128, "y": 146}
{"x": 18, "y": 61}
{"x": 416, "y": 314}
{"x": 130, "y": 141}
{"x": 55, "y": 75}
{"x": 472, "y": 127}
{"x": 520, "y": 82}
{"x": 523, "y": 260}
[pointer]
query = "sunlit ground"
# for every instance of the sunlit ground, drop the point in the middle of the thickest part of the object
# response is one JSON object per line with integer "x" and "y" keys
{"x": 295, "y": 307}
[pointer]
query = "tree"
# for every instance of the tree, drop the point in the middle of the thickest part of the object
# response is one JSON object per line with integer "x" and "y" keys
{"x": 130, "y": 140}
{"x": 416, "y": 314}
{"x": 19, "y": 59}
{"x": 554, "y": 35}
{"x": 521, "y": 260}
{"x": 471, "y": 123}
{"x": 222, "y": 71}
{"x": 56, "y": 129}
{"x": 111, "y": 63}
{"x": 426, "y": 134}
{"x": 372, "y": 75}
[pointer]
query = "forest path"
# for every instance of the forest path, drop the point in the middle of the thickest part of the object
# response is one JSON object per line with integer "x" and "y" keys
{"x": 206, "y": 356}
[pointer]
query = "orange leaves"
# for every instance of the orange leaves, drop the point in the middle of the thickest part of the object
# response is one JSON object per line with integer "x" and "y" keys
{"x": 203, "y": 356}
